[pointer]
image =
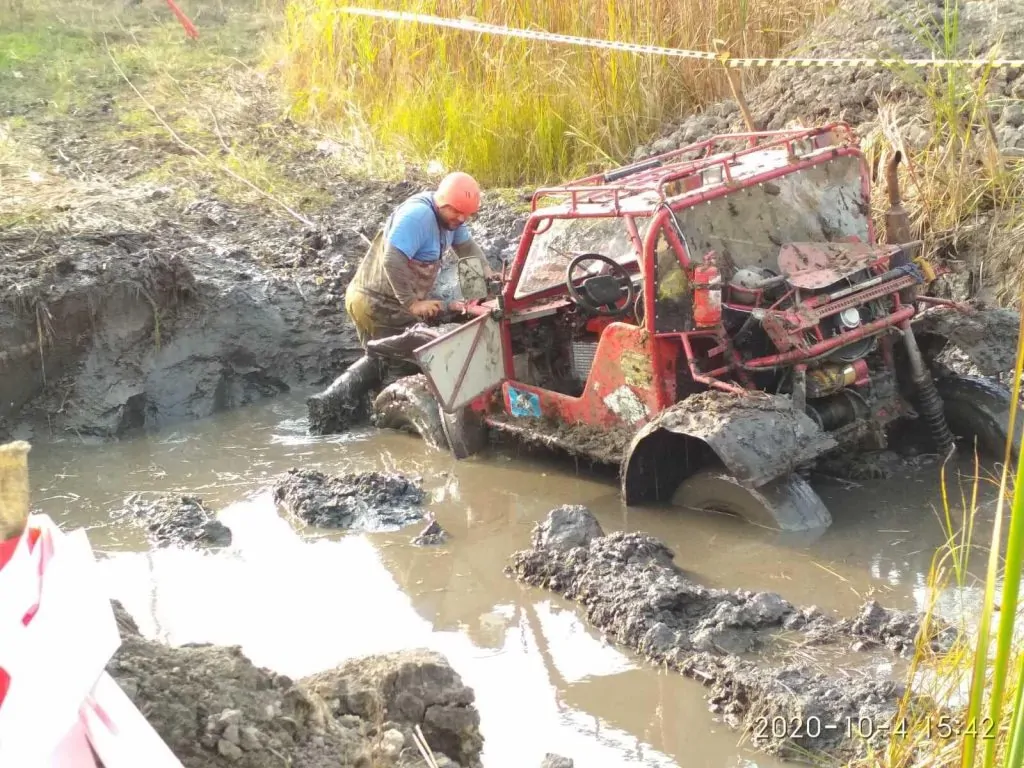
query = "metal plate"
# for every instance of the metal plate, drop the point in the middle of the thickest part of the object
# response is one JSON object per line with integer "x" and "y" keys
{"x": 465, "y": 363}
{"x": 819, "y": 265}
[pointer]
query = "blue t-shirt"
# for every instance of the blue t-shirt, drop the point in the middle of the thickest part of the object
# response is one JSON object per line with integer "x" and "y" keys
{"x": 415, "y": 230}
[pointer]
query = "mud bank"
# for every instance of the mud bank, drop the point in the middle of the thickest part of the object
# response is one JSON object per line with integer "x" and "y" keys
{"x": 173, "y": 519}
{"x": 210, "y": 309}
{"x": 863, "y": 28}
{"x": 364, "y": 501}
{"x": 214, "y": 708}
{"x": 124, "y": 331}
{"x": 731, "y": 641}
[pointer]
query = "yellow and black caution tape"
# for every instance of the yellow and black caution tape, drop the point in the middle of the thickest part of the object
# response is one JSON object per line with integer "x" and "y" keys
{"x": 471, "y": 25}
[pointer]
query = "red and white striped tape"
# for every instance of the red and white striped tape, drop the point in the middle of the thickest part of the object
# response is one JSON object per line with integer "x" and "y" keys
{"x": 58, "y": 706}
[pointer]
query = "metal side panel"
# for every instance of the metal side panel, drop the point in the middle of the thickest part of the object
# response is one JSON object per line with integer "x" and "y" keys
{"x": 465, "y": 363}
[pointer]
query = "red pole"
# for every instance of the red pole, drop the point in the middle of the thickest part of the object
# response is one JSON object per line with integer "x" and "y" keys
{"x": 186, "y": 22}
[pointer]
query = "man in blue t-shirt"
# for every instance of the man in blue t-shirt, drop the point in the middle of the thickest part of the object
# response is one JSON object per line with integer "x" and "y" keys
{"x": 389, "y": 291}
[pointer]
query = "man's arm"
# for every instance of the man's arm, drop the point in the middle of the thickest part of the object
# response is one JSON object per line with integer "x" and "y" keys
{"x": 401, "y": 278}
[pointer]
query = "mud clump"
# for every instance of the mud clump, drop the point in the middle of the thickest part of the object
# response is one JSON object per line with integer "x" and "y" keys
{"x": 566, "y": 527}
{"x": 417, "y": 687}
{"x": 755, "y": 699}
{"x": 178, "y": 520}
{"x": 870, "y": 465}
{"x": 214, "y": 708}
{"x": 895, "y": 630}
{"x": 980, "y": 343}
{"x": 630, "y": 588}
{"x": 364, "y": 501}
{"x": 431, "y": 536}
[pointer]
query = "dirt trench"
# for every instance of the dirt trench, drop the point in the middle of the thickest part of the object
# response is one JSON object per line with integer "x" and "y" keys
{"x": 733, "y": 642}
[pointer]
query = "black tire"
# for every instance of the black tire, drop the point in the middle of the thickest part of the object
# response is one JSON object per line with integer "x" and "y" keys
{"x": 409, "y": 405}
{"x": 979, "y": 408}
{"x": 786, "y": 504}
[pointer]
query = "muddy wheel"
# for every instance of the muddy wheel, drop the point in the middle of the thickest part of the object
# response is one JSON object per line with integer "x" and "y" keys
{"x": 979, "y": 408}
{"x": 786, "y": 504}
{"x": 409, "y": 405}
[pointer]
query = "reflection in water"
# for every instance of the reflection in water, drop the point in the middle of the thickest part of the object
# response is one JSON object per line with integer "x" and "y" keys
{"x": 301, "y": 606}
{"x": 299, "y": 601}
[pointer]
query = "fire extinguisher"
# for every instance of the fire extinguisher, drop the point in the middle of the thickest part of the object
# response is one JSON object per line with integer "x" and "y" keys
{"x": 707, "y": 293}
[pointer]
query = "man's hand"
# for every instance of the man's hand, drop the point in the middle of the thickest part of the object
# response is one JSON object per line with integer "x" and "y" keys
{"x": 425, "y": 308}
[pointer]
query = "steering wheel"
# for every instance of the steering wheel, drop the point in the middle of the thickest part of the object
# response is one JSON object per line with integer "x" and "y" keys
{"x": 601, "y": 290}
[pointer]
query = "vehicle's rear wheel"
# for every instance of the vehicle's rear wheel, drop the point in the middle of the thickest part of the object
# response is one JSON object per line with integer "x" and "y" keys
{"x": 979, "y": 408}
{"x": 409, "y": 405}
{"x": 786, "y": 504}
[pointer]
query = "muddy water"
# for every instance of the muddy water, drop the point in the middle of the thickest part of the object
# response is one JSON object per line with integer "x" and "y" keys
{"x": 302, "y": 600}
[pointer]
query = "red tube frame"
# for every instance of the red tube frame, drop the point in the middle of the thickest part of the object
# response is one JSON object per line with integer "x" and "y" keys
{"x": 659, "y": 222}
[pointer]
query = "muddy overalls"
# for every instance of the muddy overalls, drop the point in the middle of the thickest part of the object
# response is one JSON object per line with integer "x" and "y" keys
{"x": 372, "y": 298}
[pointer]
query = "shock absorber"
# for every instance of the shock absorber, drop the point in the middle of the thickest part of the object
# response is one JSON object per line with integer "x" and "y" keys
{"x": 928, "y": 397}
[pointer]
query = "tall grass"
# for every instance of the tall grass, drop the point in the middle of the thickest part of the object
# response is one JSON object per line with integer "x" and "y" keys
{"x": 513, "y": 111}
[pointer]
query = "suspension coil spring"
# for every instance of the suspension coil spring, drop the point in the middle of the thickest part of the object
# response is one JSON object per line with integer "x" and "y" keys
{"x": 932, "y": 411}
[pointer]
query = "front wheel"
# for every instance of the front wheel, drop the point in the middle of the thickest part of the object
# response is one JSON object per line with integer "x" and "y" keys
{"x": 786, "y": 504}
{"x": 409, "y": 405}
{"x": 978, "y": 408}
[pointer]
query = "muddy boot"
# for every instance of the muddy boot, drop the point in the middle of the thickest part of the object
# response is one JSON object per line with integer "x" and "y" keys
{"x": 347, "y": 400}
{"x": 402, "y": 346}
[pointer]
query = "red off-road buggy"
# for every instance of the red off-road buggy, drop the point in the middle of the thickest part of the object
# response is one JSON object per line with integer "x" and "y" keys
{"x": 712, "y": 320}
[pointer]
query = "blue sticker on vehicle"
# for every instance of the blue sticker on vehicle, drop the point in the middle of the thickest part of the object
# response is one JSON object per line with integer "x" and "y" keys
{"x": 523, "y": 403}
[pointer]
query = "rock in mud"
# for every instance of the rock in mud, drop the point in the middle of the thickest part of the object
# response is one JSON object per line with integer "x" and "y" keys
{"x": 173, "y": 519}
{"x": 214, "y": 708}
{"x": 432, "y": 535}
{"x": 365, "y": 501}
{"x": 556, "y": 761}
{"x": 629, "y": 588}
{"x": 409, "y": 688}
{"x": 566, "y": 527}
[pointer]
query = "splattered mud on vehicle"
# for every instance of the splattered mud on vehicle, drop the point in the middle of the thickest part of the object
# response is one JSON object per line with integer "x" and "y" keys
{"x": 603, "y": 445}
{"x": 631, "y": 589}
{"x": 174, "y": 519}
{"x": 361, "y": 501}
{"x": 213, "y": 707}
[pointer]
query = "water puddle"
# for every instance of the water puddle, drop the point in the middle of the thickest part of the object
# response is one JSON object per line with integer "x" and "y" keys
{"x": 302, "y": 600}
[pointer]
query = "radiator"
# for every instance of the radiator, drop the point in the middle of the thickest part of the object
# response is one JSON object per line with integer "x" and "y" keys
{"x": 582, "y": 355}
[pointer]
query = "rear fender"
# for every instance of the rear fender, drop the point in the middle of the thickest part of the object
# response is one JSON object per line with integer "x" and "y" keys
{"x": 986, "y": 337}
{"x": 757, "y": 437}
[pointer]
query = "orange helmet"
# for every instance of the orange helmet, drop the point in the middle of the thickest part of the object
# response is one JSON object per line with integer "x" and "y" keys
{"x": 460, "y": 191}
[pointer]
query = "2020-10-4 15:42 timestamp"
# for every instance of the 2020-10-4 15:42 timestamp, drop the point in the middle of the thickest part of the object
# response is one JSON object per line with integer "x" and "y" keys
{"x": 942, "y": 727}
